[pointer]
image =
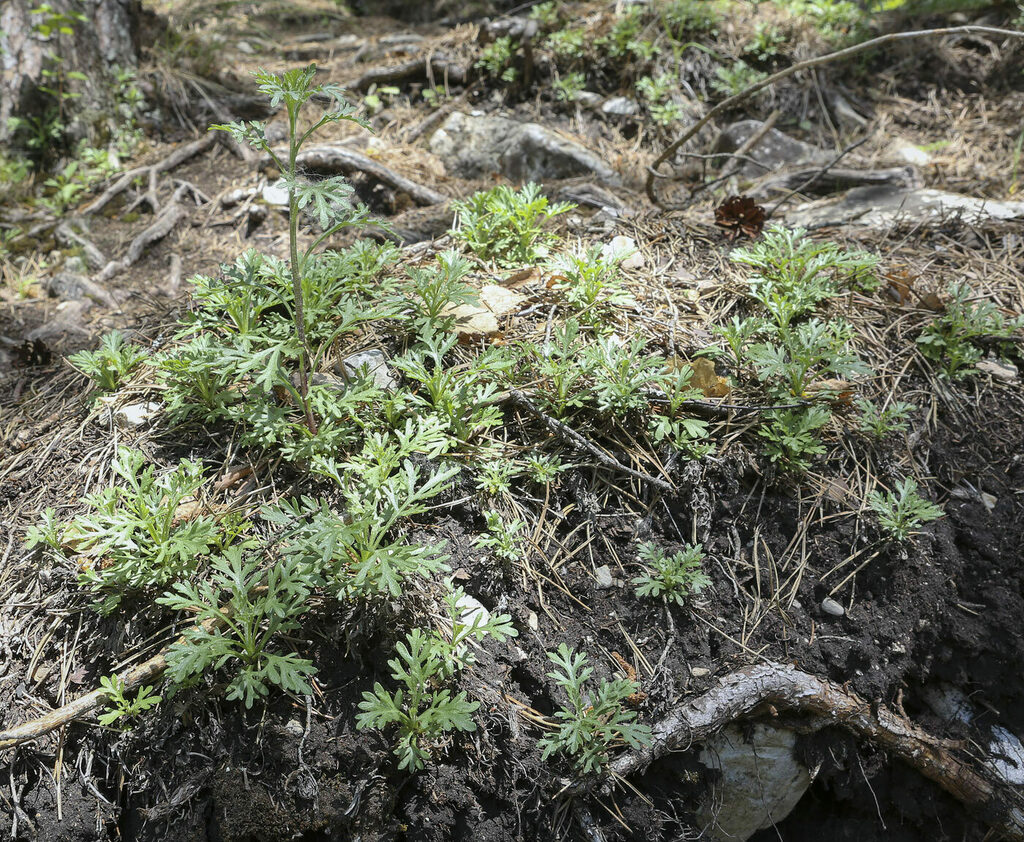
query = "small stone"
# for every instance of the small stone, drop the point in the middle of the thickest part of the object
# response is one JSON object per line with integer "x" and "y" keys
{"x": 625, "y": 251}
{"x": 898, "y": 648}
{"x": 75, "y": 264}
{"x": 588, "y": 99}
{"x": 375, "y": 364}
{"x": 245, "y": 47}
{"x": 136, "y": 414}
{"x": 830, "y": 606}
{"x": 275, "y": 195}
{"x": 699, "y": 672}
{"x": 532, "y": 621}
{"x": 914, "y": 155}
{"x": 604, "y": 577}
{"x": 999, "y": 369}
{"x": 294, "y": 727}
{"x": 620, "y": 106}
{"x": 470, "y": 608}
{"x": 988, "y": 500}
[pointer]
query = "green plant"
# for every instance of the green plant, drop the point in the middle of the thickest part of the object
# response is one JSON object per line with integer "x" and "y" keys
{"x": 674, "y": 577}
{"x": 792, "y": 268}
{"x": 567, "y": 88}
{"x": 239, "y": 610}
{"x": 569, "y": 44}
{"x": 811, "y": 350}
{"x": 621, "y": 374}
{"x": 735, "y": 78}
{"x": 546, "y": 14}
{"x": 376, "y": 98}
{"x": 495, "y": 475}
{"x": 625, "y": 38}
{"x": 423, "y": 710}
{"x": 435, "y": 291}
{"x": 119, "y": 706}
{"x": 953, "y": 338}
{"x": 496, "y": 59}
{"x": 902, "y": 511}
{"x": 791, "y": 435}
{"x": 685, "y": 433}
{"x": 505, "y": 225}
{"x": 591, "y": 284}
{"x": 134, "y": 536}
{"x": 594, "y": 722}
{"x": 503, "y": 538}
{"x": 878, "y": 422}
{"x": 111, "y": 363}
{"x": 543, "y": 468}
{"x": 327, "y": 200}
{"x": 767, "y": 42}
{"x": 686, "y": 18}
{"x": 656, "y": 92}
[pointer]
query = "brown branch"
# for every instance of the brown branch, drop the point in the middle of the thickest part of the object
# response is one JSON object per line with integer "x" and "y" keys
{"x": 784, "y": 687}
{"x": 568, "y": 434}
{"x": 724, "y": 105}
{"x": 337, "y": 159}
{"x": 416, "y": 68}
{"x": 172, "y": 161}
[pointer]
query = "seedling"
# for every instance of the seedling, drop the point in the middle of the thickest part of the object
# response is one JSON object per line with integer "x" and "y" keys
{"x": 544, "y": 469}
{"x": 109, "y": 364}
{"x": 792, "y": 438}
{"x": 591, "y": 284}
{"x": 495, "y": 475}
{"x": 568, "y": 87}
{"x": 953, "y": 338}
{"x": 423, "y": 710}
{"x": 674, "y": 577}
{"x": 496, "y": 59}
{"x": 238, "y": 612}
{"x": 902, "y": 511}
{"x": 119, "y": 706}
{"x": 878, "y": 422}
{"x": 506, "y": 225}
{"x": 594, "y": 722}
{"x": 503, "y": 538}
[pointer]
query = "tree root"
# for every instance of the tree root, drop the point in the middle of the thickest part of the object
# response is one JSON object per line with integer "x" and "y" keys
{"x": 772, "y": 687}
{"x": 166, "y": 222}
{"x": 337, "y": 159}
{"x": 418, "y": 68}
{"x": 175, "y": 159}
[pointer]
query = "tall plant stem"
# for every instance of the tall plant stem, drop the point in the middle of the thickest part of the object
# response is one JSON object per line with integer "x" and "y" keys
{"x": 293, "y": 241}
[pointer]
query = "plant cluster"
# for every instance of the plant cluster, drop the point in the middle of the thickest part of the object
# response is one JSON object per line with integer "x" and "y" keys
{"x": 672, "y": 578}
{"x": 423, "y": 709}
{"x": 902, "y": 511}
{"x": 506, "y": 225}
{"x": 593, "y": 722}
{"x": 956, "y": 340}
{"x": 111, "y": 363}
{"x": 119, "y": 705}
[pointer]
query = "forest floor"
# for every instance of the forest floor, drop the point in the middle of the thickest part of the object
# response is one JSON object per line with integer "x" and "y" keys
{"x": 555, "y": 471}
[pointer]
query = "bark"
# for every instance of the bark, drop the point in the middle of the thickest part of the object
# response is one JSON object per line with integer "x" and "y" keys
{"x": 33, "y": 61}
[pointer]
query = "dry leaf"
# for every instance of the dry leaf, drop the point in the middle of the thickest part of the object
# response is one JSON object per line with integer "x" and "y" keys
{"x": 522, "y": 278}
{"x": 837, "y": 391}
{"x": 705, "y": 379}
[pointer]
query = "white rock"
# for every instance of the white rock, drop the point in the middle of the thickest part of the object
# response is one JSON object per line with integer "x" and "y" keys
{"x": 620, "y": 106}
{"x": 999, "y": 369}
{"x": 245, "y": 47}
{"x": 532, "y": 621}
{"x": 294, "y": 727}
{"x": 624, "y": 250}
{"x": 136, "y": 414}
{"x": 699, "y": 672}
{"x": 830, "y": 606}
{"x": 470, "y": 608}
{"x": 913, "y": 155}
{"x": 372, "y": 360}
{"x": 276, "y": 195}
{"x": 761, "y": 781}
{"x": 604, "y": 577}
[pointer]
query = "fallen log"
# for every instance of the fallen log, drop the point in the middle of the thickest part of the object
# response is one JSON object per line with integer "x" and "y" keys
{"x": 439, "y": 66}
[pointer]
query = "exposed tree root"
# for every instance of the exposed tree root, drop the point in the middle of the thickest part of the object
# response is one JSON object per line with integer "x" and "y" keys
{"x": 773, "y": 687}
{"x": 175, "y": 159}
{"x": 166, "y": 222}
{"x": 437, "y": 67}
{"x": 337, "y": 159}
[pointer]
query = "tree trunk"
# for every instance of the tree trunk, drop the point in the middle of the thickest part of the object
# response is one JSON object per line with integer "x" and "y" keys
{"x": 59, "y": 70}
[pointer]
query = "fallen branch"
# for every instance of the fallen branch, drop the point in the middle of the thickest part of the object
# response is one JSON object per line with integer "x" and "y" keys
{"x": 568, "y": 434}
{"x": 83, "y": 706}
{"x": 337, "y": 159}
{"x": 783, "y": 687}
{"x": 172, "y": 161}
{"x": 417, "y": 68}
{"x": 725, "y": 104}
